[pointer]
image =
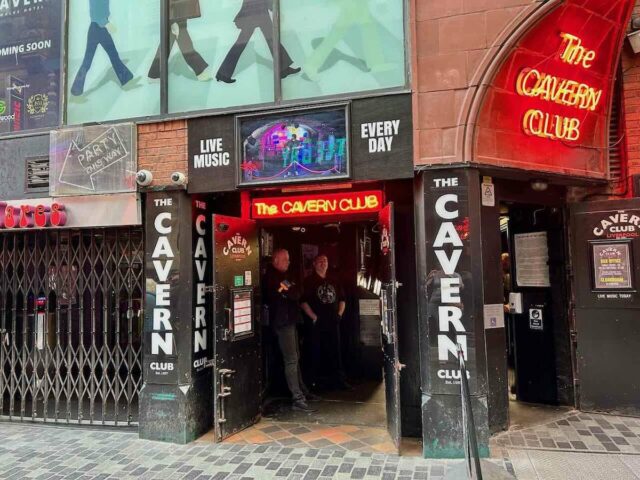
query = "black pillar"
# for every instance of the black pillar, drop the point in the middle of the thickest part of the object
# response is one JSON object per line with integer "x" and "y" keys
{"x": 448, "y": 232}
{"x": 176, "y": 398}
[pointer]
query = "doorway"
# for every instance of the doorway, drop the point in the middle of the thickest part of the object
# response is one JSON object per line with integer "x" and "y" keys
{"x": 355, "y": 394}
{"x": 533, "y": 258}
{"x": 360, "y": 251}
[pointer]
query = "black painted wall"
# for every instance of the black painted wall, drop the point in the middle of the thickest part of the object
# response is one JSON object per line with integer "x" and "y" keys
{"x": 13, "y": 155}
{"x": 176, "y": 407}
{"x": 402, "y": 195}
{"x": 441, "y": 402}
{"x": 495, "y": 338}
{"x": 607, "y": 323}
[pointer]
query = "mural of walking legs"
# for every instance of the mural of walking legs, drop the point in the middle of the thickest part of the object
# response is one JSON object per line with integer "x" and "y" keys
{"x": 252, "y": 16}
{"x": 180, "y": 34}
{"x": 353, "y": 14}
{"x": 100, "y": 34}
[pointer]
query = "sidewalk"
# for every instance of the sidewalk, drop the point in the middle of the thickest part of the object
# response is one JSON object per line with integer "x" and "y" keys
{"x": 575, "y": 446}
{"x": 47, "y": 452}
{"x": 51, "y": 452}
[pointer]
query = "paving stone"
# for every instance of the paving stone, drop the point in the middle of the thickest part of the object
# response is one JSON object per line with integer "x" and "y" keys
{"x": 45, "y": 452}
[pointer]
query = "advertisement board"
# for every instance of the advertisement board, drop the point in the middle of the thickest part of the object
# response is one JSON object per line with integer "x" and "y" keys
{"x": 612, "y": 266}
{"x": 93, "y": 160}
{"x": 294, "y": 146}
{"x": 30, "y": 64}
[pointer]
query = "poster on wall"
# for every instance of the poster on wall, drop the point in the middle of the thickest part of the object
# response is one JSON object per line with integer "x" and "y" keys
{"x": 532, "y": 259}
{"x": 611, "y": 266}
{"x": 93, "y": 160}
{"x": 294, "y": 147}
{"x": 30, "y": 60}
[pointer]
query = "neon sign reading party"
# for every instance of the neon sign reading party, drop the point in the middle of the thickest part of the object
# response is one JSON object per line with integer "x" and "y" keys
{"x": 534, "y": 83}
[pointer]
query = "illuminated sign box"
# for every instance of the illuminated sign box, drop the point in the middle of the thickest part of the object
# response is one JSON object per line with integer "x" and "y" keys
{"x": 288, "y": 147}
{"x": 315, "y": 205}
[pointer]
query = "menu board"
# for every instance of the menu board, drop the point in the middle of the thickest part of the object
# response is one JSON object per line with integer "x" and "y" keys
{"x": 612, "y": 266}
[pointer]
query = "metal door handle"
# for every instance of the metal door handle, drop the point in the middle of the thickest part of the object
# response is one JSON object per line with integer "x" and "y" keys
{"x": 228, "y": 330}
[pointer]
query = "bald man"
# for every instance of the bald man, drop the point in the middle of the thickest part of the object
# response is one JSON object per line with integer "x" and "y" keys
{"x": 282, "y": 296}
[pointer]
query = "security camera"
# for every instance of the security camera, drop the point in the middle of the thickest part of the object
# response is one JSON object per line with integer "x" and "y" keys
{"x": 144, "y": 178}
{"x": 178, "y": 178}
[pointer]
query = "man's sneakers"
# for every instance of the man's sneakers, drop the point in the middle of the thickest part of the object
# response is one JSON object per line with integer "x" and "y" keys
{"x": 302, "y": 406}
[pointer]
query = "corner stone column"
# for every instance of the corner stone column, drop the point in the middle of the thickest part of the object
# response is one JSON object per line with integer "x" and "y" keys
{"x": 451, "y": 307}
{"x": 176, "y": 398}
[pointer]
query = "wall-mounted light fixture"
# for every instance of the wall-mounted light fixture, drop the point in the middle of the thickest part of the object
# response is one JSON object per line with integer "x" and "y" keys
{"x": 539, "y": 185}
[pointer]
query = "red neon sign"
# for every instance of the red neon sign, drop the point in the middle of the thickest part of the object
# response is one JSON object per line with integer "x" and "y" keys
{"x": 28, "y": 216}
{"x": 551, "y": 88}
{"x": 315, "y": 205}
{"x": 546, "y": 106}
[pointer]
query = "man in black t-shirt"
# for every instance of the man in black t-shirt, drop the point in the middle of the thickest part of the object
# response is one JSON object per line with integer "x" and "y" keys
{"x": 323, "y": 302}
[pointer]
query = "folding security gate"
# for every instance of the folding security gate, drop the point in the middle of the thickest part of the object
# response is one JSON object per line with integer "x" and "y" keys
{"x": 70, "y": 325}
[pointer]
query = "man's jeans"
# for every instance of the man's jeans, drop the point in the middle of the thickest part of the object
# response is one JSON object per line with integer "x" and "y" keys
{"x": 288, "y": 341}
{"x": 100, "y": 36}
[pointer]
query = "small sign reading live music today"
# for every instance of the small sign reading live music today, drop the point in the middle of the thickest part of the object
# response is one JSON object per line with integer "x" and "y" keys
{"x": 93, "y": 160}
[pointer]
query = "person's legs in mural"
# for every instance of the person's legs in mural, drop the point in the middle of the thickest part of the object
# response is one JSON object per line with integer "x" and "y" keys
{"x": 345, "y": 19}
{"x": 285, "y": 60}
{"x": 106, "y": 40}
{"x": 191, "y": 56}
{"x": 195, "y": 61}
{"x": 228, "y": 66}
{"x": 154, "y": 70}
{"x": 247, "y": 27}
{"x": 92, "y": 44}
{"x": 371, "y": 42}
{"x": 100, "y": 36}
{"x": 352, "y": 13}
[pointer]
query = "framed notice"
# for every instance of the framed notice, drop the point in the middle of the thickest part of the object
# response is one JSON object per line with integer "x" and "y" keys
{"x": 294, "y": 146}
{"x": 532, "y": 259}
{"x": 242, "y": 312}
{"x": 612, "y": 265}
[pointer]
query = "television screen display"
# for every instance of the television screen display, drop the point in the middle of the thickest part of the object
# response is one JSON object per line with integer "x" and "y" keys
{"x": 294, "y": 147}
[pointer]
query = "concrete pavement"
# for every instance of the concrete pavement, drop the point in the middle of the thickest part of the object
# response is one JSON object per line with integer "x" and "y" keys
{"x": 57, "y": 452}
{"x": 53, "y": 453}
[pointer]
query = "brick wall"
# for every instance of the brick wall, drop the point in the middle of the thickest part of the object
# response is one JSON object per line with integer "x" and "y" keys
{"x": 162, "y": 149}
{"x": 631, "y": 129}
{"x": 454, "y": 40}
{"x": 631, "y": 95}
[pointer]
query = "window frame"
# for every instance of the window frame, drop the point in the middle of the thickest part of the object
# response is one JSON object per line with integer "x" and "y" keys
{"x": 165, "y": 115}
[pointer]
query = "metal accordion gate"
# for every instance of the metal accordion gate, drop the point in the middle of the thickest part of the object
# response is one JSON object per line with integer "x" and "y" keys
{"x": 70, "y": 325}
